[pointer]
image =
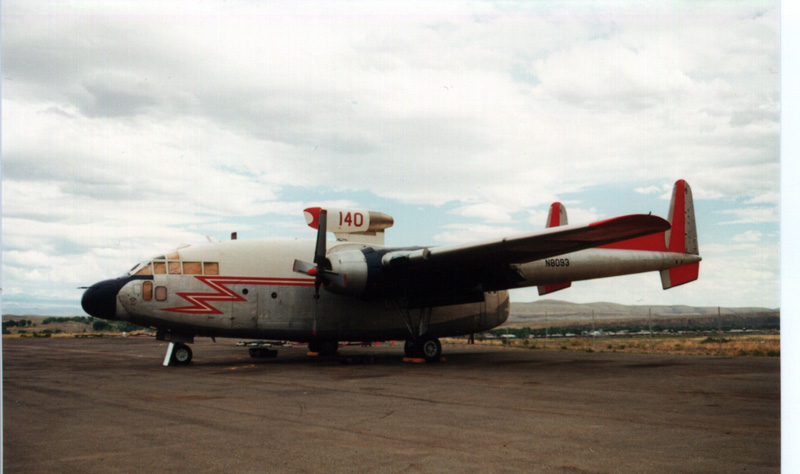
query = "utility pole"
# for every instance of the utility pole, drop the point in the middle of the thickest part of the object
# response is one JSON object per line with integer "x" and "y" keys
{"x": 594, "y": 332}
{"x": 719, "y": 330}
{"x": 650, "y": 322}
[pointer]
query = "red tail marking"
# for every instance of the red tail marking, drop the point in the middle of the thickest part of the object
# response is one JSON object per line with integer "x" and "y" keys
{"x": 677, "y": 232}
{"x": 683, "y": 274}
{"x": 555, "y": 215}
{"x": 677, "y": 236}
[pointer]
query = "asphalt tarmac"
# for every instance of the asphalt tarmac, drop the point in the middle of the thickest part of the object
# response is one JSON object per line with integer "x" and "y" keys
{"x": 108, "y": 405}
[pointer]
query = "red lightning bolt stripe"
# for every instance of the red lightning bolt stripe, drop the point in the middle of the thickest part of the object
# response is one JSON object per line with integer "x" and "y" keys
{"x": 200, "y": 303}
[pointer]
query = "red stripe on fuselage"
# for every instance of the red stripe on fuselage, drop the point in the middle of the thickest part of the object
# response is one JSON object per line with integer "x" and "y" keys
{"x": 200, "y": 303}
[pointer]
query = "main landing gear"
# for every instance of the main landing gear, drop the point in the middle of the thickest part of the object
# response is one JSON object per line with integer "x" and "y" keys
{"x": 426, "y": 347}
{"x": 422, "y": 344}
{"x": 323, "y": 348}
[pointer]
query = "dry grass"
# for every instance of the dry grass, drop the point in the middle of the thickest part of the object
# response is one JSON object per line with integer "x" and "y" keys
{"x": 753, "y": 345}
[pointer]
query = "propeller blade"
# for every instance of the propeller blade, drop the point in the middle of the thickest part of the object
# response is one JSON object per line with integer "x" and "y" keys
{"x": 320, "y": 251}
{"x": 303, "y": 267}
{"x": 317, "y": 269}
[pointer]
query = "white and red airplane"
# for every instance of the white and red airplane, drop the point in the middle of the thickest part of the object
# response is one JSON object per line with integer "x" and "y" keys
{"x": 266, "y": 289}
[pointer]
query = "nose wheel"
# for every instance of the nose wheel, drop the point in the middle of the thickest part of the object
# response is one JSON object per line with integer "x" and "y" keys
{"x": 178, "y": 353}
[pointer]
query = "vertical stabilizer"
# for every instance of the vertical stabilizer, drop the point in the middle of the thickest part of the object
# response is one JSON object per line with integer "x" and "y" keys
{"x": 682, "y": 236}
{"x": 556, "y": 217}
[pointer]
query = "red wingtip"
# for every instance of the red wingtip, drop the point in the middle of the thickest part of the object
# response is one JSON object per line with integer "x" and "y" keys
{"x": 312, "y": 216}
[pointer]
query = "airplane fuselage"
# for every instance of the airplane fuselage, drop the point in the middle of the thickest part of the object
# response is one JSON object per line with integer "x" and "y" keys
{"x": 248, "y": 289}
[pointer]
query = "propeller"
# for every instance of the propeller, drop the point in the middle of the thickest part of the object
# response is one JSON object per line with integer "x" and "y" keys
{"x": 317, "y": 269}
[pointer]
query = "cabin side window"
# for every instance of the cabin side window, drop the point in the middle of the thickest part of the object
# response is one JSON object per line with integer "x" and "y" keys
{"x": 147, "y": 291}
{"x": 161, "y": 293}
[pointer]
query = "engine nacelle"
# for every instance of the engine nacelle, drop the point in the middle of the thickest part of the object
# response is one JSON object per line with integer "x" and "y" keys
{"x": 352, "y": 266}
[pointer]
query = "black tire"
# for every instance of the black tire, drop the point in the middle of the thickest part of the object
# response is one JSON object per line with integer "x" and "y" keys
{"x": 411, "y": 349}
{"x": 329, "y": 348}
{"x": 324, "y": 348}
{"x": 314, "y": 346}
{"x": 431, "y": 349}
{"x": 181, "y": 354}
{"x": 262, "y": 353}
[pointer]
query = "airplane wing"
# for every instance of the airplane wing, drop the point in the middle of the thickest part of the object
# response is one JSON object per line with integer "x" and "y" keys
{"x": 461, "y": 273}
{"x": 436, "y": 276}
{"x": 529, "y": 247}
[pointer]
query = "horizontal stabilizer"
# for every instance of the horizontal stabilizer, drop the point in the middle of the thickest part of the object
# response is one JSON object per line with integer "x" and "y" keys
{"x": 675, "y": 276}
{"x": 545, "y": 289}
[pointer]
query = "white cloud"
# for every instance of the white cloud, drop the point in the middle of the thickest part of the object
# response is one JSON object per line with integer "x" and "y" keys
{"x": 650, "y": 190}
{"x": 488, "y": 212}
{"x": 749, "y": 236}
{"x": 752, "y": 215}
{"x": 137, "y": 126}
{"x": 462, "y": 233}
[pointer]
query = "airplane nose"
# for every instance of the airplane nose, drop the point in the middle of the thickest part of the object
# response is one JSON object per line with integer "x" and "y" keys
{"x": 100, "y": 299}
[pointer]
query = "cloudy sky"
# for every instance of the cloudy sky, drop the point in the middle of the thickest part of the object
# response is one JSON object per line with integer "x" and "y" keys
{"x": 130, "y": 128}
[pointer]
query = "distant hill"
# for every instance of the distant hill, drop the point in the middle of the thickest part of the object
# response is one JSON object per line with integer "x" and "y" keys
{"x": 555, "y": 311}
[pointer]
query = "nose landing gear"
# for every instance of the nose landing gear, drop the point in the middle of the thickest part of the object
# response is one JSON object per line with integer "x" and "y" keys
{"x": 178, "y": 353}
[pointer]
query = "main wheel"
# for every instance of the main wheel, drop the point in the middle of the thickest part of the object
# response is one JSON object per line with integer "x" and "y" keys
{"x": 411, "y": 349}
{"x": 315, "y": 346}
{"x": 323, "y": 348}
{"x": 431, "y": 349}
{"x": 181, "y": 354}
{"x": 329, "y": 348}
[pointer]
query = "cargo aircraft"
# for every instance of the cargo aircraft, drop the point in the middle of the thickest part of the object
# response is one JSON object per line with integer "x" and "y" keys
{"x": 358, "y": 289}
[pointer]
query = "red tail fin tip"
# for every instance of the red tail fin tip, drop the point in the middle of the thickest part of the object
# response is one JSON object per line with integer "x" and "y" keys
{"x": 557, "y": 215}
{"x": 682, "y": 237}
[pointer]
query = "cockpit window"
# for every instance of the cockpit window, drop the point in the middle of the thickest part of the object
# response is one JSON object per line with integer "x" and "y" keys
{"x": 147, "y": 269}
{"x": 175, "y": 267}
{"x": 211, "y": 268}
